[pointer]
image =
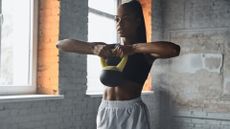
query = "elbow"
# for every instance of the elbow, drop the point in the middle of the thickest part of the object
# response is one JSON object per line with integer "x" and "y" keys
{"x": 176, "y": 50}
{"x": 58, "y": 44}
{"x": 61, "y": 44}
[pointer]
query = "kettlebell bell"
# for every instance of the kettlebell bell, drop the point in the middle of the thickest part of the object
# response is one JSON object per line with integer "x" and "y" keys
{"x": 112, "y": 75}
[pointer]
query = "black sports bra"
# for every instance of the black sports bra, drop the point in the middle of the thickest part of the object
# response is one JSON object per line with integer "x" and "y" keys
{"x": 136, "y": 68}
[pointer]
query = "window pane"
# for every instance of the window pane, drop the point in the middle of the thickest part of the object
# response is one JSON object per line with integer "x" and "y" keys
{"x": 108, "y": 6}
{"x": 101, "y": 28}
{"x": 15, "y": 43}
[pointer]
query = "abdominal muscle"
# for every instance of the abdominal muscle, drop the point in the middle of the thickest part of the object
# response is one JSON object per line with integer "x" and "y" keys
{"x": 126, "y": 91}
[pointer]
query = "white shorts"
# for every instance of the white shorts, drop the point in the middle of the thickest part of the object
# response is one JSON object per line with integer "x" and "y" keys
{"x": 128, "y": 114}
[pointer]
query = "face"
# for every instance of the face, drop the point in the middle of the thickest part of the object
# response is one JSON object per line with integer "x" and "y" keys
{"x": 127, "y": 22}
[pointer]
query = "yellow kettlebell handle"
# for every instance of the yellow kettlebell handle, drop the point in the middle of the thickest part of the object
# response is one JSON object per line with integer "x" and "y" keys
{"x": 120, "y": 66}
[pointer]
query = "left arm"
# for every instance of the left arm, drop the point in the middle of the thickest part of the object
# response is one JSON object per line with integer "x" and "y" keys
{"x": 159, "y": 49}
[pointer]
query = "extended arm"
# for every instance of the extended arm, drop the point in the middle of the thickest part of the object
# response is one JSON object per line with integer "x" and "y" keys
{"x": 159, "y": 49}
{"x": 82, "y": 47}
{"x": 72, "y": 45}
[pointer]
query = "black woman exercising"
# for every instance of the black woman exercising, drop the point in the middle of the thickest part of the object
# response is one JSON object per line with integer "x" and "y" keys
{"x": 122, "y": 106}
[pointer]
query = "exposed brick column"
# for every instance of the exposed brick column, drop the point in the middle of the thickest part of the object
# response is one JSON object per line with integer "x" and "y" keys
{"x": 147, "y": 11}
{"x": 47, "y": 80}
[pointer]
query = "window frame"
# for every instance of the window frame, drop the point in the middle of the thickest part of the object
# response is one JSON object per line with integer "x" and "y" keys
{"x": 32, "y": 87}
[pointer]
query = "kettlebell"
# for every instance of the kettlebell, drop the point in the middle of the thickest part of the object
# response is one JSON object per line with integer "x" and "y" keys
{"x": 112, "y": 75}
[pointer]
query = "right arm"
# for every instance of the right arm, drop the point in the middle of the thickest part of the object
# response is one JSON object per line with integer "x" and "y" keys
{"x": 72, "y": 45}
{"x": 82, "y": 47}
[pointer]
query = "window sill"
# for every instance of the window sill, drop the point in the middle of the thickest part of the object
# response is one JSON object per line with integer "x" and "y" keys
{"x": 147, "y": 92}
{"x": 32, "y": 97}
{"x": 99, "y": 94}
{"x": 94, "y": 94}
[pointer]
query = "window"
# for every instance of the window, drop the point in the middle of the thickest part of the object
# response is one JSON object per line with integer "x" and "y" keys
{"x": 101, "y": 27}
{"x": 18, "y": 46}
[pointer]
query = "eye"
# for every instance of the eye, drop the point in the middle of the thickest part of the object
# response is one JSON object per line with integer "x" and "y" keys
{"x": 117, "y": 19}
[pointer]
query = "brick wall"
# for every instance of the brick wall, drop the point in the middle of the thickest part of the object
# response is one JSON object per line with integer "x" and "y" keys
{"x": 76, "y": 110}
{"x": 194, "y": 87}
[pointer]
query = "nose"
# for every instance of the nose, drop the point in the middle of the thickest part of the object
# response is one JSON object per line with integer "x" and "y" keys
{"x": 118, "y": 21}
{"x": 118, "y": 25}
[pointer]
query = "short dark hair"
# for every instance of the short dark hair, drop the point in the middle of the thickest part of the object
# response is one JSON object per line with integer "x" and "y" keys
{"x": 136, "y": 7}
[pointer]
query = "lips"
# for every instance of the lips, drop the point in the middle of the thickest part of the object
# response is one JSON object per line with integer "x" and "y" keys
{"x": 120, "y": 33}
{"x": 119, "y": 30}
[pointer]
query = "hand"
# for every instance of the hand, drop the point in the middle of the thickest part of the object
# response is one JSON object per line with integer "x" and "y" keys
{"x": 122, "y": 50}
{"x": 103, "y": 50}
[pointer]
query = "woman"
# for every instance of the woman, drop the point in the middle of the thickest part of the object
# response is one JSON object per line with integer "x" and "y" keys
{"x": 121, "y": 106}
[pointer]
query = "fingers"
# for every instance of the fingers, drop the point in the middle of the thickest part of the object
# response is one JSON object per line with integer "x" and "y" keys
{"x": 118, "y": 51}
{"x": 123, "y": 50}
{"x": 104, "y": 51}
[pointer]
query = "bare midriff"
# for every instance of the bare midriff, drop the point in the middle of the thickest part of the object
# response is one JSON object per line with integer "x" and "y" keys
{"x": 128, "y": 90}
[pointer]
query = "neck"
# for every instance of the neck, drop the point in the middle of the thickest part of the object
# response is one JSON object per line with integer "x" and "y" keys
{"x": 127, "y": 41}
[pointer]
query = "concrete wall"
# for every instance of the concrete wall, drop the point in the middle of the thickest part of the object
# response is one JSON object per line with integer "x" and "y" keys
{"x": 194, "y": 87}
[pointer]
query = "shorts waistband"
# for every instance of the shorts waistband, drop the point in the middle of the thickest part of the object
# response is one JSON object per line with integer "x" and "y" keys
{"x": 120, "y": 103}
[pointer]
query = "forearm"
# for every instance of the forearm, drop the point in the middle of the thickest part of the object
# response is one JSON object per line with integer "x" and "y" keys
{"x": 160, "y": 49}
{"x": 72, "y": 45}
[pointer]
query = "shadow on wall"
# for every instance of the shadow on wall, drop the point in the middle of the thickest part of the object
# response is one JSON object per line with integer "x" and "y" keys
{"x": 167, "y": 110}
